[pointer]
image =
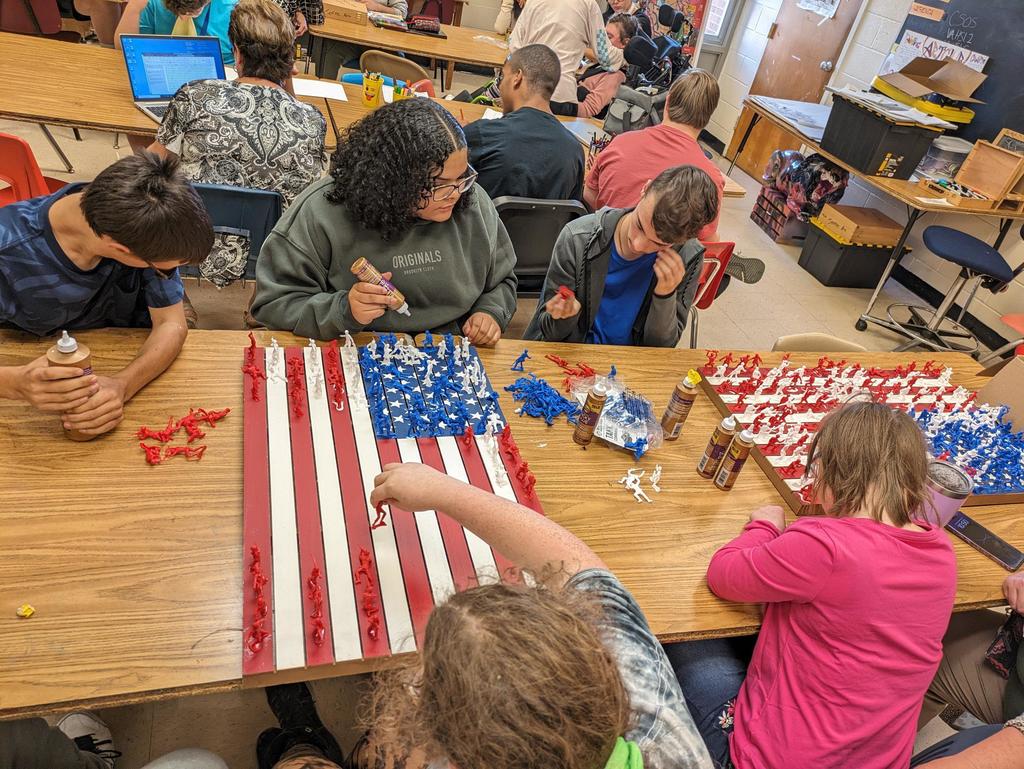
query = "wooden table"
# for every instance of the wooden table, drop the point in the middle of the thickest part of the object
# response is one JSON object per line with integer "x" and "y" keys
{"x": 136, "y": 571}
{"x": 906, "y": 192}
{"x": 86, "y": 86}
{"x": 460, "y": 45}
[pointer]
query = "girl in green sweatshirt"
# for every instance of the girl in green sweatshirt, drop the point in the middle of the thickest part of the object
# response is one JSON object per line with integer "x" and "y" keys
{"x": 402, "y": 194}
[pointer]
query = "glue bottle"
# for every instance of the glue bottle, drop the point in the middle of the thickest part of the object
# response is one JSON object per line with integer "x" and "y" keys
{"x": 367, "y": 273}
{"x": 678, "y": 408}
{"x": 68, "y": 352}
{"x": 589, "y": 414}
{"x": 719, "y": 442}
{"x": 734, "y": 460}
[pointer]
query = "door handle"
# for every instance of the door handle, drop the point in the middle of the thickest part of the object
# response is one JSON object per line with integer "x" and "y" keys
{"x": 827, "y": 66}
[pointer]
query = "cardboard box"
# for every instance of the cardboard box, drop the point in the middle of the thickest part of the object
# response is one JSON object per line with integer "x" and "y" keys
{"x": 923, "y": 77}
{"x": 864, "y": 226}
{"x": 345, "y": 10}
{"x": 1006, "y": 388}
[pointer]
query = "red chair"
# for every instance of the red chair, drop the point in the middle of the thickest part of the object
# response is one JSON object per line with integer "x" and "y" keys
{"x": 1016, "y": 322}
{"x": 716, "y": 257}
{"x": 18, "y": 167}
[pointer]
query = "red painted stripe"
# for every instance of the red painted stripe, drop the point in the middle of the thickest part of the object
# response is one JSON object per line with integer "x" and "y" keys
{"x": 256, "y": 519}
{"x": 357, "y": 524}
{"x": 307, "y": 518}
{"x": 410, "y": 553}
{"x": 524, "y": 498}
{"x": 477, "y": 474}
{"x": 453, "y": 535}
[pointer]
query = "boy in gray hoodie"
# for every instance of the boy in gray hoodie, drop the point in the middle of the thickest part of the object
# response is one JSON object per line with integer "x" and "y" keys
{"x": 402, "y": 196}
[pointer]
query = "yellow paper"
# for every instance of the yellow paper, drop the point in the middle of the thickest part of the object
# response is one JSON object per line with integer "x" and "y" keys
{"x": 185, "y": 26}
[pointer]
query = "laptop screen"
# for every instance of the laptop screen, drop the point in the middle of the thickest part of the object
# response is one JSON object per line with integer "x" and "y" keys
{"x": 159, "y": 65}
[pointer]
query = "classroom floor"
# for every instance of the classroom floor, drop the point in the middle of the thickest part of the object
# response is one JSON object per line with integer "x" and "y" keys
{"x": 746, "y": 317}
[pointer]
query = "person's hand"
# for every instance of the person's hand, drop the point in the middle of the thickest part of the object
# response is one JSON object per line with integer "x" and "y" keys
{"x": 559, "y": 308}
{"x": 299, "y": 20}
{"x": 771, "y": 513}
{"x": 411, "y": 486}
{"x": 1013, "y": 589}
{"x": 482, "y": 329}
{"x": 368, "y": 301}
{"x": 54, "y": 388}
{"x": 102, "y": 412}
{"x": 669, "y": 270}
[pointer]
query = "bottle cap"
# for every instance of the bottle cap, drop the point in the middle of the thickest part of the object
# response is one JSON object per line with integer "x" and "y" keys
{"x": 66, "y": 343}
{"x": 692, "y": 378}
{"x": 599, "y": 388}
{"x": 729, "y": 423}
{"x": 746, "y": 436}
{"x": 404, "y": 309}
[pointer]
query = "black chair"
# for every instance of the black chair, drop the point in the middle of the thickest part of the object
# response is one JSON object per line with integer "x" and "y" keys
{"x": 533, "y": 226}
{"x": 240, "y": 211}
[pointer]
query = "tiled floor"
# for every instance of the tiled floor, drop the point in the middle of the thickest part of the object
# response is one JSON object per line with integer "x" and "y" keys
{"x": 748, "y": 317}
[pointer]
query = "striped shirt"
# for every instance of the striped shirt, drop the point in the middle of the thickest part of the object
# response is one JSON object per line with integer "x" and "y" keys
{"x": 42, "y": 291}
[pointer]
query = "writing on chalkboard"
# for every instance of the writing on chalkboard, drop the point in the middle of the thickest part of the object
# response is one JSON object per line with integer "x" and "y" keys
{"x": 1010, "y": 140}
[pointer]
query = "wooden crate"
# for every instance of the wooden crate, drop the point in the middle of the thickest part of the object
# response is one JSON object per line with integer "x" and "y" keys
{"x": 345, "y": 10}
{"x": 934, "y": 189}
{"x": 854, "y": 224}
{"x": 993, "y": 171}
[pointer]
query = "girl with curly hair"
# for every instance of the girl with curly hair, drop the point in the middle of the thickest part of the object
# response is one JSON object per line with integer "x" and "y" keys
{"x": 403, "y": 195}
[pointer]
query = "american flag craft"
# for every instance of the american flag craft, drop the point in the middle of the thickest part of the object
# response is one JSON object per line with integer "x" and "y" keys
{"x": 783, "y": 406}
{"x": 327, "y": 577}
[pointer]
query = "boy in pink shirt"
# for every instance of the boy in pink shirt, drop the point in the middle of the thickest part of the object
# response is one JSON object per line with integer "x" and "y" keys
{"x": 635, "y": 157}
{"x": 857, "y": 601}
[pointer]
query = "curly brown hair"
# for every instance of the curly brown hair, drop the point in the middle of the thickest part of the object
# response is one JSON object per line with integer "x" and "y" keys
{"x": 510, "y": 677}
{"x": 185, "y": 7}
{"x": 265, "y": 38}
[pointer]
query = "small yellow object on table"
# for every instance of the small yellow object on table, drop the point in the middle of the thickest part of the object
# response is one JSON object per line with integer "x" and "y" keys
{"x": 25, "y": 611}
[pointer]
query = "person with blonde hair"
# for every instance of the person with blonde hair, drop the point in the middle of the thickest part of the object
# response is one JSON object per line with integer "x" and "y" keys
{"x": 249, "y": 132}
{"x": 856, "y": 599}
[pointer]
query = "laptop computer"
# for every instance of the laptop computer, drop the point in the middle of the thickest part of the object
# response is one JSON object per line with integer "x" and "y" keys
{"x": 158, "y": 65}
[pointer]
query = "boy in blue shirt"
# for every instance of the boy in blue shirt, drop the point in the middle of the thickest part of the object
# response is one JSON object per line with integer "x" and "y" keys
{"x": 205, "y": 18}
{"x": 102, "y": 254}
{"x": 632, "y": 286}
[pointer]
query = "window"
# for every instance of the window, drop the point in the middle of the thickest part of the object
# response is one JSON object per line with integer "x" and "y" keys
{"x": 718, "y": 23}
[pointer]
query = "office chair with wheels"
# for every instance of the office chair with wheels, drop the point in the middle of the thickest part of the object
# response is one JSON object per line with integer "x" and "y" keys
{"x": 533, "y": 225}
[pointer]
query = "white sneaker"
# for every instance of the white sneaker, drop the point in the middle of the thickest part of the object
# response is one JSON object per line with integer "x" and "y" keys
{"x": 90, "y": 734}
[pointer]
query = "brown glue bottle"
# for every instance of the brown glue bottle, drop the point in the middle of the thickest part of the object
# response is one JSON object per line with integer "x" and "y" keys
{"x": 70, "y": 352}
{"x": 678, "y": 408}
{"x": 720, "y": 439}
{"x": 589, "y": 414}
{"x": 734, "y": 459}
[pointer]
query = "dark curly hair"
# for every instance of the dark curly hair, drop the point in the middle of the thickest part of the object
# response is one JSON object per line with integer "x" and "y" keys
{"x": 185, "y": 7}
{"x": 385, "y": 162}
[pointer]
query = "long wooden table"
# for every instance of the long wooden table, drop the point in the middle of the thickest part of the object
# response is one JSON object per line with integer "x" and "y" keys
{"x": 461, "y": 44}
{"x": 906, "y": 192}
{"x": 135, "y": 571}
{"x": 86, "y": 86}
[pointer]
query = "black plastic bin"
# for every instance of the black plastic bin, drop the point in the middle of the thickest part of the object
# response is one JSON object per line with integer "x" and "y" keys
{"x": 842, "y": 265}
{"x": 872, "y": 144}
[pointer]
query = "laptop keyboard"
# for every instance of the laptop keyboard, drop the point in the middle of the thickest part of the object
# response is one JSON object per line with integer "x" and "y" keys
{"x": 158, "y": 109}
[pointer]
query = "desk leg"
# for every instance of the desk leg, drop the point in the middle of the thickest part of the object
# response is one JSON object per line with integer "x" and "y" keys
{"x": 449, "y": 74}
{"x": 321, "y": 52}
{"x": 755, "y": 118}
{"x": 862, "y": 323}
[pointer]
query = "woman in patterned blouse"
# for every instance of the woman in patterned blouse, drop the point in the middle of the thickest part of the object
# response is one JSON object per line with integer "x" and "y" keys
{"x": 249, "y": 132}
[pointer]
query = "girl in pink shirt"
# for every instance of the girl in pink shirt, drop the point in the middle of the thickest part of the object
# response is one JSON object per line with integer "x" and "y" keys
{"x": 856, "y": 604}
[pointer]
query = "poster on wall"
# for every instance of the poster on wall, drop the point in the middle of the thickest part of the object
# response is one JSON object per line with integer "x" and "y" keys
{"x": 824, "y": 8}
{"x": 913, "y": 44}
{"x": 688, "y": 32}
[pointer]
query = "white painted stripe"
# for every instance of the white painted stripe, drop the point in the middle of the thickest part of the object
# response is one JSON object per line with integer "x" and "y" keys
{"x": 479, "y": 551}
{"x": 338, "y": 567}
{"x": 289, "y": 644}
{"x": 435, "y": 557}
{"x": 385, "y": 550}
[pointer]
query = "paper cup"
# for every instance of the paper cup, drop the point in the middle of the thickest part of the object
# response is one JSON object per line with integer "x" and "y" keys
{"x": 948, "y": 487}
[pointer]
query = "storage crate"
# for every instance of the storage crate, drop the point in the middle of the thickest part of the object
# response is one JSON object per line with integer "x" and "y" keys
{"x": 855, "y": 224}
{"x": 778, "y": 222}
{"x": 873, "y": 144}
{"x": 840, "y": 264}
{"x": 345, "y": 10}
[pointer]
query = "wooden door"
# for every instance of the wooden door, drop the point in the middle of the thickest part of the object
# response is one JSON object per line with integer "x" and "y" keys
{"x": 797, "y": 64}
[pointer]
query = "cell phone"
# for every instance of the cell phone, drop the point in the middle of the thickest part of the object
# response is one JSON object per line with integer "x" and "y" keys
{"x": 980, "y": 538}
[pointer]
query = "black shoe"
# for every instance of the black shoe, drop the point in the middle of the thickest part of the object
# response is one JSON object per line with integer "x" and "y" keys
{"x": 295, "y": 710}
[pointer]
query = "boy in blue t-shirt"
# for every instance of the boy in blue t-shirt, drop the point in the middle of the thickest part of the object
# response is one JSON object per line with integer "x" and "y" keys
{"x": 209, "y": 18}
{"x": 102, "y": 254}
{"x": 632, "y": 286}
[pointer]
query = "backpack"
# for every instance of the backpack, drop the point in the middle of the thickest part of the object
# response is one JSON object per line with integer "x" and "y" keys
{"x": 632, "y": 110}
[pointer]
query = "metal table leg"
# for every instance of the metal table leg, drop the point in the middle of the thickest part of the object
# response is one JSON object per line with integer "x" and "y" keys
{"x": 1004, "y": 227}
{"x": 913, "y": 214}
{"x": 755, "y": 118}
{"x": 53, "y": 143}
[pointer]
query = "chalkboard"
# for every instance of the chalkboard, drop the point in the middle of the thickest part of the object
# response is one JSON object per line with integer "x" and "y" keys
{"x": 1010, "y": 140}
{"x": 994, "y": 28}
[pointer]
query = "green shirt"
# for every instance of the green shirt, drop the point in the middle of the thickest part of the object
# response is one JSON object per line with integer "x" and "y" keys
{"x": 446, "y": 270}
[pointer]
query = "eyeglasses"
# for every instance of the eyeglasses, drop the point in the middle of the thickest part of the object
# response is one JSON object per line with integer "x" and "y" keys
{"x": 443, "y": 192}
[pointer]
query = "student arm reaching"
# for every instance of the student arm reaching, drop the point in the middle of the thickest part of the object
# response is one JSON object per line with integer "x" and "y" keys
{"x": 529, "y": 540}
{"x": 130, "y": 20}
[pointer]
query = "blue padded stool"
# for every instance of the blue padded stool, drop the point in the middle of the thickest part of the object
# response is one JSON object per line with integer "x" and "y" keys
{"x": 977, "y": 261}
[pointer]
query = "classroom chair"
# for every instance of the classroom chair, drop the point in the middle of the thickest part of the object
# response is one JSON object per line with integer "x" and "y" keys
{"x": 815, "y": 342}
{"x": 977, "y": 261}
{"x": 1016, "y": 322}
{"x": 716, "y": 258}
{"x": 240, "y": 211}
{"x": 397, "y": 68}
{"x": 19, "y": 169}
{"x": 533, "y": 225}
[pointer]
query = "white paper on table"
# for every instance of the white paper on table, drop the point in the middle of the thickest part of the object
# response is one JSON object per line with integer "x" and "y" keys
{"x": 387, "y": 92}
{"x": 491, "y": 114}
{"x": 327, "y": 89}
